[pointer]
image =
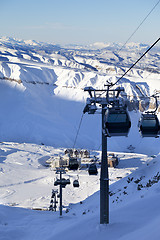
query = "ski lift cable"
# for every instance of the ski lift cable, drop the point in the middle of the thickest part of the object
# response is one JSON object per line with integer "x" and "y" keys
{"x": 139, "y": 26}
{"x": 78, "y": 130}
{"x": 136, "y": 61}
{"x": 99, "y": 147}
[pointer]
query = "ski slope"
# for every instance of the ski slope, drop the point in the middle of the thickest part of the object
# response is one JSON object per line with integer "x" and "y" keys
{"x": 41, "y": 104}
{"x": 27, "y": 184}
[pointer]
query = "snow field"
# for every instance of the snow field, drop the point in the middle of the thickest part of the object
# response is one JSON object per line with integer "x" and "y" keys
{"x": 27, "y": 183}
{"x": 40, "y": 117}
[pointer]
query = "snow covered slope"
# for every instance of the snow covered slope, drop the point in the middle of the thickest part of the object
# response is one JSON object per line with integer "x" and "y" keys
{"x": 42, "y": 97}
{"x": 26, "y": 183}
{"x": 41, "y": 103}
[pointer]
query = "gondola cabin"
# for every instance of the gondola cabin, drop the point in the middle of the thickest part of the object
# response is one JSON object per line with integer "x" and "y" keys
{"x": 73, "y": 163}
{"x": 76, "y": 183}
{"x": 117, "y": 122}
{"x": 92, "y": 170}
{"x": 149, "y": 125}
{"x": 63, "y": 182}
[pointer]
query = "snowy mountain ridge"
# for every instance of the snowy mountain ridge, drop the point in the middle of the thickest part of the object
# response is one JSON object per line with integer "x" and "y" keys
{"x": 53, "y": 64}
{"x": 42, "y": 83}
{"x": 109, "y": 54}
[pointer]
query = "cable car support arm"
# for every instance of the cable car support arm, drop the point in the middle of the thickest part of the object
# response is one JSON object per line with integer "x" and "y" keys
{"x": 91, "y": 107}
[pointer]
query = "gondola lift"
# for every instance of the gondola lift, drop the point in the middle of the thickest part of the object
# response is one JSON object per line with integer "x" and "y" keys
{"x": 57, "y": 182}
{"x": 73, "y": 163}
{"x": 117, "y": 121}
{"x": 76, "y": 183}
{"x": 63, "y": 182}
{"x": 149, "y": 125}
{"x": 92, "y": 170}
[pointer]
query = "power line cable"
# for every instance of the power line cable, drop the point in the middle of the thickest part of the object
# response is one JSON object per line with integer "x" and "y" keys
{"x": 139, "y": 25}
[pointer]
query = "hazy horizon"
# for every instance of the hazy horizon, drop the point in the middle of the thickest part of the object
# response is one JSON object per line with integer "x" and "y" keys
{"x": 80, "y": 22}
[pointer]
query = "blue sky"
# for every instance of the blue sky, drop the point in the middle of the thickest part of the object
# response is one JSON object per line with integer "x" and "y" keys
{"x": 80, "y": 21}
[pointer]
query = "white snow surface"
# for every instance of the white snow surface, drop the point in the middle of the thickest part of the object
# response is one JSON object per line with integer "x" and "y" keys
{"x": 41, "y": 102}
